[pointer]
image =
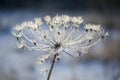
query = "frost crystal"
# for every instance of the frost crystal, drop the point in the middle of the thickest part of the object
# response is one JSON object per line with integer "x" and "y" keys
{"x": 59, "y": 34}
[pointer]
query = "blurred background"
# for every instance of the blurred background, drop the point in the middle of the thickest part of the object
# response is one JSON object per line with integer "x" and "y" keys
{"x": 102, "y": 61}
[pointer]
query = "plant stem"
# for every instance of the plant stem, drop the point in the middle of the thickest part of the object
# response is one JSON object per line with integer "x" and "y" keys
{"x": 52, "y": 66}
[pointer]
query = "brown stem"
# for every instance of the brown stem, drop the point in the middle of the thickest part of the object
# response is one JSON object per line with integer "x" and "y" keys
{"x": 52, "y": 66}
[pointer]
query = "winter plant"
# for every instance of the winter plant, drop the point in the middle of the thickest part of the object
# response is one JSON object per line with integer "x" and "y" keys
{"x": 57, "y": 35}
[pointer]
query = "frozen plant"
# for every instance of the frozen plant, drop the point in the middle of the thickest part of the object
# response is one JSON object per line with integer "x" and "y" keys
{"x": 57, "y": 35}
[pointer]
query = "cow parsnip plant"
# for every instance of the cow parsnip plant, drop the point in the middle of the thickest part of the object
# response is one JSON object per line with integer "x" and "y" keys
{"x": 57, "y": 35}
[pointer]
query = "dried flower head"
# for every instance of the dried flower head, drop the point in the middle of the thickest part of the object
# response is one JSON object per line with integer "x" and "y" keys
{"x": 59, "y": 34}
{"x": 47, "y": 19}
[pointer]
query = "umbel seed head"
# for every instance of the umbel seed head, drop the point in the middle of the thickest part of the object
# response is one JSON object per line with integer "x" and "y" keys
{"x": 58, "y": 34}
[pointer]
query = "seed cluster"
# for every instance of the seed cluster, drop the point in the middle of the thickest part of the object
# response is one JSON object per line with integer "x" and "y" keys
{"x": 58, "y": 34}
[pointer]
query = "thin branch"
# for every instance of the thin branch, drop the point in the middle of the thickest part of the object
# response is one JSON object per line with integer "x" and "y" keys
{"x": 68, "y": 53}
{"x": 52, "y": 66}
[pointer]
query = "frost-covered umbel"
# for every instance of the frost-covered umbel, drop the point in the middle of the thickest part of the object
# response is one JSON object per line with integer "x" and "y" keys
{"x": 58, "y": 34}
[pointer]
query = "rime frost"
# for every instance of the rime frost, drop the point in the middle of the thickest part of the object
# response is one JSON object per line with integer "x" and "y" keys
{"x": 58, "y": 34}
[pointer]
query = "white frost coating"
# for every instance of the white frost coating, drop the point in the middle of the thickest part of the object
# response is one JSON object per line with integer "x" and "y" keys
{"x": 61, "y": 34}
{"x": 93, "y": 27}
{"x": 47, "y": 18}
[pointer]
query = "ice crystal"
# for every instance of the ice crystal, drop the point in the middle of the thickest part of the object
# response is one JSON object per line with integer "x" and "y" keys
{"x": 58, "y": 34}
